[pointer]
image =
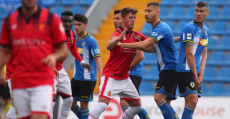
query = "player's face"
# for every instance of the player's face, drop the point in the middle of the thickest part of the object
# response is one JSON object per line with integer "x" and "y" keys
{"x": 80, "y": 27}
{"x": 29, "y": 3}
{"x": 150, "y": 14}
{"x": 200, "y": 14}
{"x": 129, "y": 20}
{"x": 117, "y": 20}
{"x": 67, "y": 22}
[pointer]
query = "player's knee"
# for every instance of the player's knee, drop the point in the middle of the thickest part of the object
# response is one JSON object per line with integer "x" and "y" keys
{"x": 39, "y": 116}
{"x": 84, "y": 104}
{"x": 159, "y": 98}
{"x": 192, "y": 100}
{"x": 136, "y": 109}
{"x": 68, "y": 101}
{"x": 123, "y": 103}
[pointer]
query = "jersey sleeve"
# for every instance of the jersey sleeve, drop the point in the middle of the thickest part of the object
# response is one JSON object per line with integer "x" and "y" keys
{"x": 188, "y": 34}
{"x": 157, "y": 35}
{"x": 75, "y": 52}
{"x": 94, "y": 48}
{"x": 58, "y": 30}
{"x": 115, "y": 34}
{"x": 208, "y": 33}
{"x": 5, "y": 36}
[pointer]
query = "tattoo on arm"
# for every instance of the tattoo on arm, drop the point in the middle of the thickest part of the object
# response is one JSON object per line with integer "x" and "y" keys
{"x": 188, "y": 44}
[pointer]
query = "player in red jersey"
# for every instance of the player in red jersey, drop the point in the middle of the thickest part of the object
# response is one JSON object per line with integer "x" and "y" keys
{"x": 115, "y": 78}
{"x": 62, "y": 83}
{"x": 29, "y": 36}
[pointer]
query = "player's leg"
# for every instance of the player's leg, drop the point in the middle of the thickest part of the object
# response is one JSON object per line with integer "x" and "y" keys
{"x": 22, "y": 103}
{"x": 64, "y": 89}
{"x": 108, "y": 88}
{"x": 166, "y": 86}
{"x": 12, "y": 112}
{"x": 86, "y": 95}
{"x": 130, "y": 94}
{"x": 137, "y": 81}
{"x": 41, "y": 98}
{"x": 54, "y": 97}
{"x": 75, "y": 86}
{"x": 168, "y": 100}
{"x": 6, "y": 96}
{"x": 186, "y": 83}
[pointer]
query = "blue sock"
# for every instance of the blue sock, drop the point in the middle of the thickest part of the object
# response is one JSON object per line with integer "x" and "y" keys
{"x": 143, "y": 114}
{"x": 188, "y": 112}
{"x": 77, "y": 111}
{"x": 166, "y": 110}
{"x": 174, "y": 113}
{"x": 84, "y": 113}
{"x": 124, "y": 108}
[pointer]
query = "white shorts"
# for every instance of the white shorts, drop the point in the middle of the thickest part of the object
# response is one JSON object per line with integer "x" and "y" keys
{"x": 9, "y": 85}
{"x": 36, "y": 100}
{"x": 124, "y": 88}
{"x": 62, "y": 85}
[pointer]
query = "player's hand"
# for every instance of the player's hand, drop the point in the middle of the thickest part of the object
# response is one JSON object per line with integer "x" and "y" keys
{"x": 3, "y": 79}
{"x": 198, "y": 82}
{"x": 50, "y": 60}
{"x": 138, "y": 38}
{"x": 56, "y": 73}
{"x": 201, "y": 78}
{"x": 122, "y": 34}
{"x": 86, "y": 66}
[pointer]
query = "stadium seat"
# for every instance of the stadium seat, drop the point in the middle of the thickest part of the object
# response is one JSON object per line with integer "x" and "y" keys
{"x": 227, "y": 93}
{"x": 77, "y": 9}
{"x": 69, "y": 2}
{"x": 150, "y": 59}
{"x": 48, "y": 3}
{"x": 0, "y": 25}
{"x": 213, "y": 13}
{"x": 224, "y": 75}
{"x": 190, "y": 13}
{"x": 58, "y": 10}
{"x": 176, "y": 13}
{"x": 225, "y": 14}
{"x": 144, "y": 71}
{"x": 217, "y": 89}
{"x": 153, "y": 74}
{"x": 218, "y": 2}
{"x": 212, "y": 44}
{"x": 177, "y": 45}
{"x": 164, "y": 13}
{"x": 228, "y": 31}
{"x": 204, "y": 89}
{"x": 180, "y": 27}
{"x": 171, "y": 24}
{"x": 224, "y": 44}
{"x": 147, "y": 29}
{"x": 217, "y": 59}
{"x": 168, "y": 2}
{"x": 228, "y": 61}
{"x": 219, "y": 28}
{"x": 210, "y": 74}
{"x": 3, "y": 12}
{"x": 146, "y": 88}
{"x": 86, "y": 2}
{"x": 186, "y": 2}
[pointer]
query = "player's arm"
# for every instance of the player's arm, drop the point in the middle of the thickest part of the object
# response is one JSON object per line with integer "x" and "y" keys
{"x": 114, "y": 40}
{"x": 176, "y": 39}
{"x": 99, "y": 67}
{"x": 138, "y": 45}
{"x": 137, "y": 59}
{"x": 149, "y": 49}
{"x": 203, "y": 63}
{"x": 5, "y": 56}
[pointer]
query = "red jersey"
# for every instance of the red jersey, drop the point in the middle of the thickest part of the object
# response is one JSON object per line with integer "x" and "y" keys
{"x": 9, "y": 69}
{"x": 71, "y": 43}
{"x": 120, "y": 58}
{"x": 31, "y": 41}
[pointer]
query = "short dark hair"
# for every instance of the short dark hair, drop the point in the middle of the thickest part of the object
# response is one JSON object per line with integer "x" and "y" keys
{"x": 67, "y": 13}
{"x": 202, "y": 4}
{"x": 153, "y": 4}
{"x": 81, "y": 18}
{"x": 127, "y": 10}
{"x": 117, "y": 11}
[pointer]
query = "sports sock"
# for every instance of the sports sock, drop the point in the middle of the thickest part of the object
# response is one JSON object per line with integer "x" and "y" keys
{"x": 65, "y": 108}
{"x": 166, "y": 110}
{"x": 98, "y": 110}
{"x": 124, "y": 108}
{"x": 11, "y": 114}
{"x": 143, "y": 114}
{"x": 85, "y": 113}
{"x": 131, "y": 112}
{"x": 188, "y": 112}
{"x": 77, "y": 111}
{"x": 175, "y": 116}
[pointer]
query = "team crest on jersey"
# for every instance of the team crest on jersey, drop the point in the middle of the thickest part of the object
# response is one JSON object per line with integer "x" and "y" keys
{"x": 41, "y": 26}
{"x": 72, "y": 41}
{"x": 192, "y": 84}
{"x": 83, "y": 44}
{"x": 109, "y": 93}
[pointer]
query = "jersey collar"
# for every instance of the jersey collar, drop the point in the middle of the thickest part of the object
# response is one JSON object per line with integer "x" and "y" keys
{"x": 197, "y": 24}
{"x": 121, "y": 28}
{"x": 157, "y": 24}
{"x": 36, "y": 14}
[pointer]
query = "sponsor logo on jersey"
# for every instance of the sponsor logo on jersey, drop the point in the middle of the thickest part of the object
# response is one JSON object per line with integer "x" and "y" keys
{"x": 154, "y": 34}
{"x": 203, "y": 42}
{"x": 41, "y": 26}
